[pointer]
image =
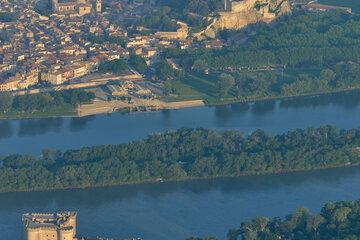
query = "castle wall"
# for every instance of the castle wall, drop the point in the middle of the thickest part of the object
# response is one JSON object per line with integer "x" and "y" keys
{"x": 48, "y": 234}
{"x": 66, "y": 234}
{"x": 32, "y": 234}
{"x": 242, "y": 6}
{"x": 243, "y": 13}
{"x": 42, "y": 234}
{"x": 235, "y": 21}
{"x": 72, "y": 223}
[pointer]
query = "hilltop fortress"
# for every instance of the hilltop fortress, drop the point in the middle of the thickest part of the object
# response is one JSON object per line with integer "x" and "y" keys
{"x": 80, "y": 7}
{"x": 239, "y": 14}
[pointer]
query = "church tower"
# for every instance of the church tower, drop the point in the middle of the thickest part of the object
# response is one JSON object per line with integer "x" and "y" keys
{"x": 98, "y": 6}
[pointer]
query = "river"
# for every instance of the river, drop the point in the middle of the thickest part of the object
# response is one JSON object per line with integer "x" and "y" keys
{"x": 179, "y": 210}
{"x": 33, "y": 135}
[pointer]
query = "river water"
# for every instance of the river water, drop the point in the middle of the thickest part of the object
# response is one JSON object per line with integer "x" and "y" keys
{"x": 33, "y": 135}
{"x": 180, "y": 210}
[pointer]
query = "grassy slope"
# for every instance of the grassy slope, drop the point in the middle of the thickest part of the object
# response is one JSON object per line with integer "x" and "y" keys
{"x": 203, "y": 87}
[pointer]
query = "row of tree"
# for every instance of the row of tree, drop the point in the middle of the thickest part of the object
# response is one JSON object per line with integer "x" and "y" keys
{"x": 43, "y": 102}
{"x": 336, "y": 221}
{"x": 184, "y": 154}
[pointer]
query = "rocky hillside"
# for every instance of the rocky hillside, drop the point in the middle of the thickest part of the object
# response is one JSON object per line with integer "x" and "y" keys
{"x": 239, "y": 14}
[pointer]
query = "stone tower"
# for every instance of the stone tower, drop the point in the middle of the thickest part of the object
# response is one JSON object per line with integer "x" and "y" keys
{"x": 98, "y": 6}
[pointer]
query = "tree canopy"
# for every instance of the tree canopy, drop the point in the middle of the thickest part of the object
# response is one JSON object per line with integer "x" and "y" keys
{"x": 184, "y": 154}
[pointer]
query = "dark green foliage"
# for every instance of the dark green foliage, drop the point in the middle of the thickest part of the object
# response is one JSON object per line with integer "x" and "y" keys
{"x": 159, "y": 20}
{"x": 138, "y": 63}
{"x": 190, "y": 11}
{"x": 100, "y": 39}
{"x": 19, "y": 161}
{"x": 336, "y": 221}
{"x": 224, "y": 83}
{"x": 43, "y": 7}
{"x": 200, "y": 7}
{"x": 47, "y": 101}
{"x": 306, "y": 39}
{"x": 205, "y": 238}
{"x": 306, "y": 53}
{"x": 117, "y": 66}
{"x": 166, "y": 73}
{"x": 7, "y": 17}
{"x": 183, "y": 154}
{"x": 6, "y": 100}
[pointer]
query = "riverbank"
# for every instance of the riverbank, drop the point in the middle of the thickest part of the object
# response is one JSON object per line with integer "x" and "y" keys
{"x": 102, "y": 107}
{"x": 63, "y": 112}
{"x": 144, "y": 105}
{"x": 107, "y": 107}
{"x": 272, "y": 98}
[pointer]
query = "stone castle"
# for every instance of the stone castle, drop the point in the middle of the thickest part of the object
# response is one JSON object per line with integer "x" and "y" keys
{"x": 58, "y": 226}
{"x": 239, "y": 14}
{"x": 80, "y": 7}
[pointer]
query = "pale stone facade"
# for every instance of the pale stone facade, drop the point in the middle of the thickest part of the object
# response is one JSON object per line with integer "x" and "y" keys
{"x": 59, "y": 226}
{"x": 81, "y": 7}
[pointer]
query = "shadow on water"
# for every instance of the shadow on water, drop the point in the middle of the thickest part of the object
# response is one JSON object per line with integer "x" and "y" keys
{"x": 32, "y": 127}
{"x": 348, "y": 100}
{"x": 223, "y": 112}
{"x": 230, "y": 110}
{"x": 263, "y": 107}
{"x": 79, "y": 124}
{"x": 92, "y": 198}
{"x": 6, "y": 129}
{"x": 166, "y": 114}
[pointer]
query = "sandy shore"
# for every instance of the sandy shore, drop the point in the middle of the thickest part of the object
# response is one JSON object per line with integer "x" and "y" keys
{"x": 101, "y": 107}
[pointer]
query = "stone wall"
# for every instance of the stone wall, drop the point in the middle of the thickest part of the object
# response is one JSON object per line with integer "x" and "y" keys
{"x": 243, "y": 13}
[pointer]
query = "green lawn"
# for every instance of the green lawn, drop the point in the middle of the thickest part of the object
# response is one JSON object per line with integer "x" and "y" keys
{"x": 354, "y": 4}
{"x": 204, "y": 86}
{"x": 197, "y": 87}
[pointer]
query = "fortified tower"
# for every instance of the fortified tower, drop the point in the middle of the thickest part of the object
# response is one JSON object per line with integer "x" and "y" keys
{"x": 58, "y": 226}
